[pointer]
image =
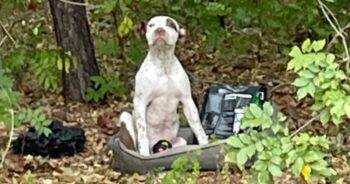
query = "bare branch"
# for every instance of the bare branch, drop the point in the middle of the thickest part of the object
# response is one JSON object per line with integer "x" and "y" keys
{"x": 7, "y": 34}
{"x": 336, "y": 36}
{"x": 9, "y": 30}
{"x": 3, "y": 156}
{"x": 305, "y": 125}
{"x": 81, "y": 4}
{"x": 338, "y": 30}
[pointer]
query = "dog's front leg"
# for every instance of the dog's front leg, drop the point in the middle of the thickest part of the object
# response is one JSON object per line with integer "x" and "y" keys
{"x": 141, "y": 126}
{"x": 142, "y": 98}
{"x": 192, "y": 116}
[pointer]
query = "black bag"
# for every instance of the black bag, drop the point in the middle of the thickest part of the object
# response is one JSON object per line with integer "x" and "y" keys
{"x": 63, "y": 141}
{"x": 223, "y": 108}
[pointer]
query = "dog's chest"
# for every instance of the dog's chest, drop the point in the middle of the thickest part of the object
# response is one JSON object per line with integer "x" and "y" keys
{"x": 167, "y": 86}
{"x": 167, "y": 92}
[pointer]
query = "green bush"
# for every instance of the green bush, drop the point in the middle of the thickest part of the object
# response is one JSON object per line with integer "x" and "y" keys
{"x": 276, "y": 150}
{"x": 103, "y": 85}
{"x": 9, "y": 102}
{"x": 322, "y": 76}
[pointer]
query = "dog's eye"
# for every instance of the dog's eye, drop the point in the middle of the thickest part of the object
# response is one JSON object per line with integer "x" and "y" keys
{"x": 150, "y": 25}
{"x": 171, "y": 24}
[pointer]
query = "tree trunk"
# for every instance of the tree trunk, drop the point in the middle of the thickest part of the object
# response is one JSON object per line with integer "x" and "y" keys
{"x": 73, "y": 34}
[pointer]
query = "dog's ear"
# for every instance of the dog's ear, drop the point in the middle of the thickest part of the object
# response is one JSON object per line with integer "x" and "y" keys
{"x": 182, "y": 34}
{"x": 140, "y": 29}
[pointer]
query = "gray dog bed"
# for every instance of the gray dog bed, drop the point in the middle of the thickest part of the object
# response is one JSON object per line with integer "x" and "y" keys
{"x": 125, "y": 160}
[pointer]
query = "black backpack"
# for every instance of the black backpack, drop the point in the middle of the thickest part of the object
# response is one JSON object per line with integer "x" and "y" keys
{"x": 223, "y": 108}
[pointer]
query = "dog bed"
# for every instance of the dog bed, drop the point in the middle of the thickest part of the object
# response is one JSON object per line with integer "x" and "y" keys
{"x": 124, "y": 160}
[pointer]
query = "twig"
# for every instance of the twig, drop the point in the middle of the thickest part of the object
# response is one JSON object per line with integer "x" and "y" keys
{"x": 305, "y": 125}
{"x": 8, "y": 34}
{"x": 279, "y": 86}
{"x": 3, "y": 40}
{"x": 9, "y": 30}
{"x": 336, "y": 36}
{"x": 338, "y": 30}
{"x": 204, "y": 80}
{"x": 10, "y": 139}
{"x": 81, "y": 4}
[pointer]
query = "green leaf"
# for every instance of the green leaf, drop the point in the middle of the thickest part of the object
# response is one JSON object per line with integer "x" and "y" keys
{"x": 306, "y": 74}
{"x": 265, "y": 155}
{"x": 311, "y": 156}
{"x": 314, "y": 68}
{"x": 306, "y": 46}
{"x": 67, "y": 64}
{"x": 317, "y": 106}
{"x": 47, "y": 84}
{"x": 266, "y": 122}
{"x": 347, "y": 109}
{"x": 245, "y": 138}
{"x": 311, "y": 89}
{"x": 256, "y": 111}
{"x": 301, "y": 82}
{"x": 260, "y": 165}
{"x": 47, "y": 122}
{"x": 276, "y": 128}
{"x": 59, "y": 64}
{"x": 250, "y": 150}
{"x": 275, "y": 170}
{"x": 235, "y": 142}
{"x": 259, "y": 146}
{"x": 295, "y": 64}
{"x": 295, "y": 52}
{"x": 109, "y": 5}
{"x": 268, "y": 109}
{"x": 292, "y": 156}
{"x": 319, "y": 58}
{"x": 46, "y": 131}
{"x": 324, "y": 116}
{"x": 319, "y": 165}
{"x": 242, "y": 158}
{"x": 297, "y": 166}
{"x": 264, "y": 177}
{"x": 318, "y": 45}
{"x": 276, "y": 160}
{"x": 302, "y": 92}
{"x": 330, "y": 58}
{"x": 231, "y": 157}
{"x": 125, "y": 26}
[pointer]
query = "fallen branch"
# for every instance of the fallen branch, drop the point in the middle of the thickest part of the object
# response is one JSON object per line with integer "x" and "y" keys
{"x": 338, "y": 30}
{"x": 279, "y": 86}
{"x": 8, "y": 34}
{"x": 3, "y": 156}
{"x": 9, "y": 30}
{"x": 305, "y": 125}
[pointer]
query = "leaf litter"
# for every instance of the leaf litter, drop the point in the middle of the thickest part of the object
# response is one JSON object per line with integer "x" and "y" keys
{"x": 100, "y": 120}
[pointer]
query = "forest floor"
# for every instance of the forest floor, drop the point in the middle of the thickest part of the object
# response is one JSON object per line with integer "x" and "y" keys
{"x": 100, "y": 120}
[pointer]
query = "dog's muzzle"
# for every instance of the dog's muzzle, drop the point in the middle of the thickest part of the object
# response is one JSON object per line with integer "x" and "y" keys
{"x": 160, "y": 36}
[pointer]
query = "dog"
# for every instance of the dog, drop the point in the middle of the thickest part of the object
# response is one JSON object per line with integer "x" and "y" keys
{"x": 161, "y": 84}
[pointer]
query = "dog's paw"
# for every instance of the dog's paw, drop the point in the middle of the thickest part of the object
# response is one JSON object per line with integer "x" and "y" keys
{"x": 143, "y": 148}
{"x": 144, "y": 152}
{"x": 203, "y": 140}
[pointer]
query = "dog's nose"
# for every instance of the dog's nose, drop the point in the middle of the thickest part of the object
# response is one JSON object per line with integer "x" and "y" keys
{"x": 160, "y": 31}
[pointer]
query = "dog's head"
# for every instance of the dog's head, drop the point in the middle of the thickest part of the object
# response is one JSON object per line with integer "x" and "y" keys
{"x": 163, "y": 31}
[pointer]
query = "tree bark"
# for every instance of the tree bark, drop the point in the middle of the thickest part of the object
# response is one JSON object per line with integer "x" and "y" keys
{"x": 73, "y": 34}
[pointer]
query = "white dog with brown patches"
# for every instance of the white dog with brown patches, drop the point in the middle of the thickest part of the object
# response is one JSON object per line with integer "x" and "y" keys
{"x": 160, "y": 85}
